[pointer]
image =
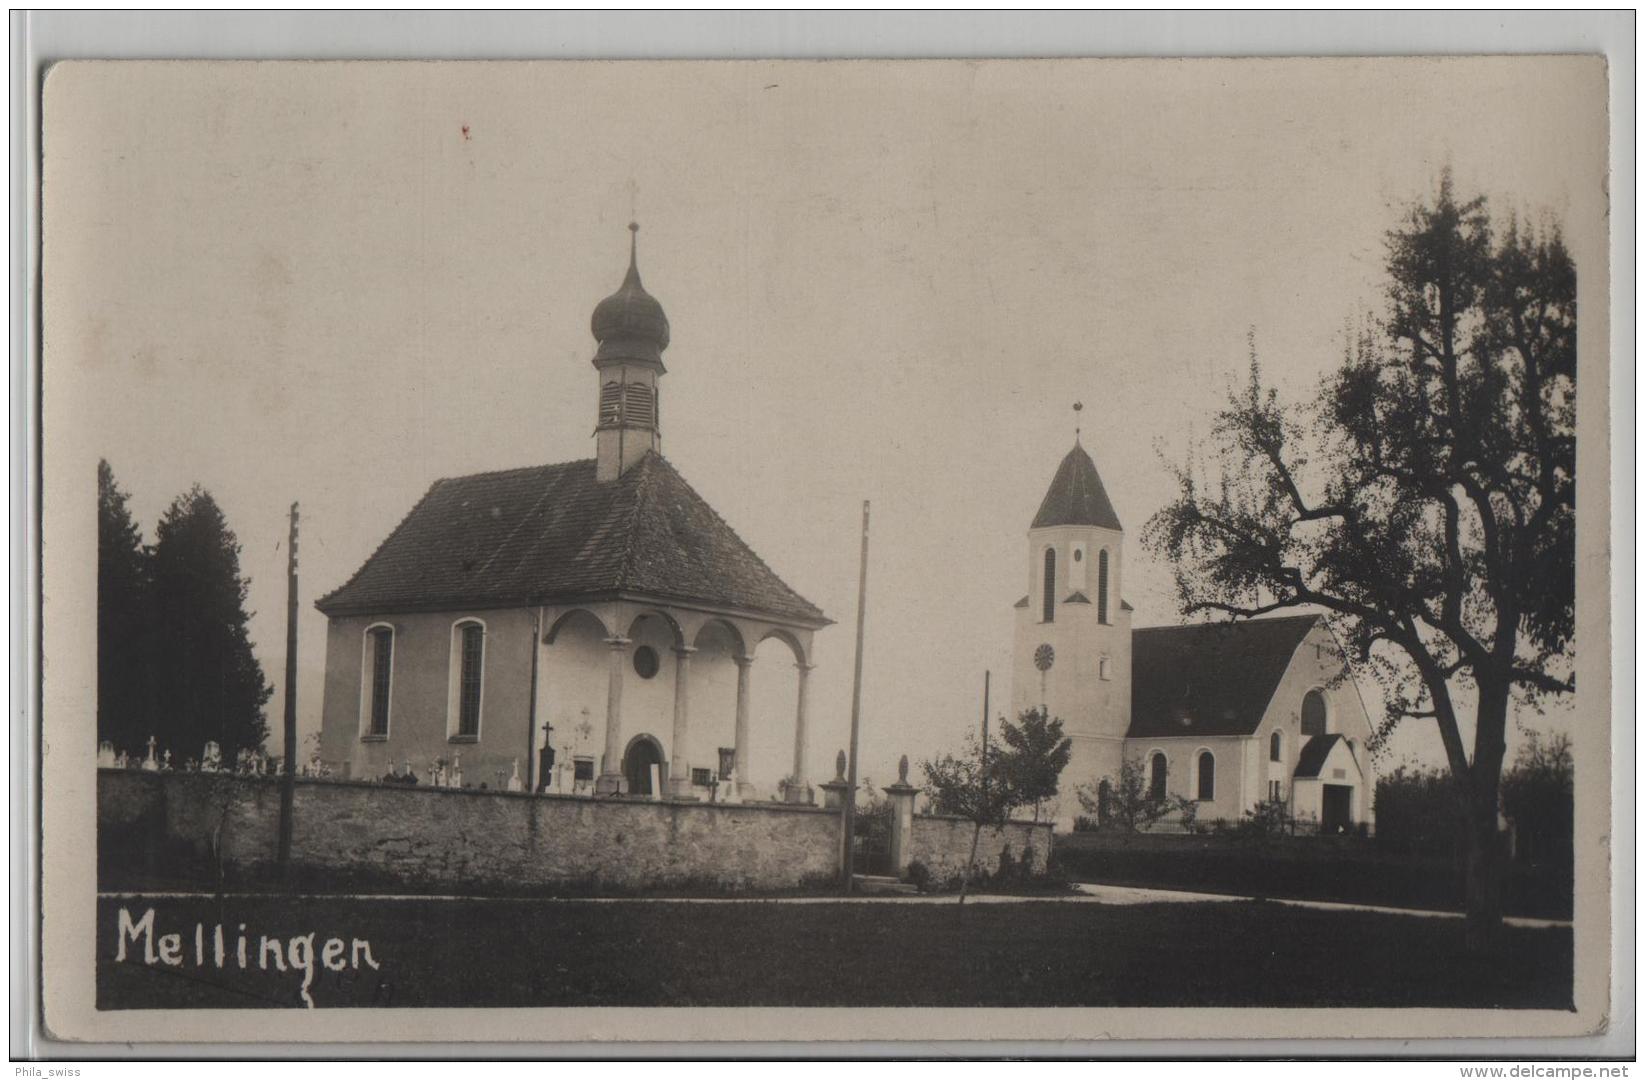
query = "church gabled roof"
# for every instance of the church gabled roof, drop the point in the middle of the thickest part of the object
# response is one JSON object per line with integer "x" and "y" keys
{"x": 554, "y": 534}
{"x": 1314, "y": 753}
{"x": 1076, "y": 495}
{"x": 1210, "y": 679}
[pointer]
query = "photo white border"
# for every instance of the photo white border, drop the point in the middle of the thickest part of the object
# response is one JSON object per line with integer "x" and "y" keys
{"x": 41, "y": 37}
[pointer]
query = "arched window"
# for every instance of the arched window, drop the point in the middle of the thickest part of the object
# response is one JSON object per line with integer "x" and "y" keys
{"x": 1105, "y": 796}
{"x": 1313, "y": 714}
{"x": 1156, "y": 777}
{"x": 377, "y": 675}
{"x": 1049, "y": 609}
{"x": 468, "y": 682}
{"x": 1207, "y": 775}
{"x": 1102, "y": 586}
{"x": 1274, "y": 748}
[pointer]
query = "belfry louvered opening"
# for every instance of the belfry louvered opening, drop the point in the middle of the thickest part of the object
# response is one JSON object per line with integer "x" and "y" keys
{"x": 631, "y": 404}
{"x": 638, "y": 406}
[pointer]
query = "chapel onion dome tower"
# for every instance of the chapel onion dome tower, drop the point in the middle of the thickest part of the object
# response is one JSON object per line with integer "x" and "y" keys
{"x": 632, "y": 332}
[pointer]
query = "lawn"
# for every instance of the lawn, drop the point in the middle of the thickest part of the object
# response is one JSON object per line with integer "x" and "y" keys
{"x": 1304, "y": 868}
{"x": 512, "y": 952}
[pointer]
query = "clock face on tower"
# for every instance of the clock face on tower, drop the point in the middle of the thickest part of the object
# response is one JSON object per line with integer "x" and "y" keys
{"x": 1044, "y": 657}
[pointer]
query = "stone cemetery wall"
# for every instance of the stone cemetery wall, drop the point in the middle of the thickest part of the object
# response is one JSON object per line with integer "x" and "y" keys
{"x": 172, "y": 825}
{"x": 193, "y": 827}
{"x": 939, "y": 841}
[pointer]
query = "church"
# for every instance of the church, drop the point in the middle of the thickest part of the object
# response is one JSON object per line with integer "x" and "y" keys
{"x": 1225, "y": 714}
{"x": 586, "y": 627}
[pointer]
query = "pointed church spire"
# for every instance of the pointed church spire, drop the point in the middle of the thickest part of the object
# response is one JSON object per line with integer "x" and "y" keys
{"x": 1076, "y": 495}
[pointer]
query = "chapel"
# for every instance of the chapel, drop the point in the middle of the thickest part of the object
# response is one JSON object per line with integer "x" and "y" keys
{"x": 585, "y": 627}
{"x": 1226, "y": 714}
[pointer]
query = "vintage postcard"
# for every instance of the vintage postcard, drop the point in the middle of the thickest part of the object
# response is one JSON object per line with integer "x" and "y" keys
{"x": 927, "y": 550}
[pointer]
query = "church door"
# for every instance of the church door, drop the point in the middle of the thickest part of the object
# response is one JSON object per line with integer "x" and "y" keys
{"x": 1336, "y": 810}
{"x": 642, "y": 754}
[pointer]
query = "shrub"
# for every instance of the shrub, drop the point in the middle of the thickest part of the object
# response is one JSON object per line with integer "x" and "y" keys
{"x": 1417, "y": 812}
{"x": 1538, "y": 798}
{"x": 1269, "y": 818}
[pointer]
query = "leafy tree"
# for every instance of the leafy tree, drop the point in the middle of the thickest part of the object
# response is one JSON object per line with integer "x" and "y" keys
{"x": 123, "y": 694}
{"x": 1034, "y": 756}
{"x": 973, "y": 785}
{"x": 209, "y": 684}
{"x": 1128, "y": 802}
{"x": 1425, "y": 500}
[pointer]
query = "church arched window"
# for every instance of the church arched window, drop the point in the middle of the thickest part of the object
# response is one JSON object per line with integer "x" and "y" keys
{"x": 1102, "y": 586}
{"x": 467, "y": 689}
{"x": 1207, "y": 775}
{"x": 1156, "y": 777}
{"x": 1049, "y": 608}
{"x": 377, "y": 680}
{"x": 1313, "y": 714}
{"x": 1274, "y": 747}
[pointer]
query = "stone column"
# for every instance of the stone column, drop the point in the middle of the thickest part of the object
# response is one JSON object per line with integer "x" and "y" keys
{"x": 799, "y": 789}
{"x": 744, "y": 785}
{"x": 610, "y": 782}
{"x": 679, "y": 770}
{"x": 902, "y": 819}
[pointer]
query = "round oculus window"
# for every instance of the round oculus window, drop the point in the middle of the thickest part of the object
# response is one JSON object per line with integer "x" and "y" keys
{"x": 1044, "y": 657}
{"x": 1078, "y": 555}
{"x": 645, "y": 662}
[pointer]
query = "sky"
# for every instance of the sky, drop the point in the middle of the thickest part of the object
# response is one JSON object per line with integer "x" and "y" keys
{"x": 335, "y": 284}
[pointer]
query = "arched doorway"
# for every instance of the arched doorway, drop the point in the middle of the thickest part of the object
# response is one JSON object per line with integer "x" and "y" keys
{"x": 643, "y": 753}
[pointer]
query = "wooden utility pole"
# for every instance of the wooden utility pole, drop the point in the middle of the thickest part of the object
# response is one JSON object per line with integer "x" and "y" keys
{"x": 288, "y": 779}
{"x": 849, "y": 819}
{"x": 987, "y": 677}
{"x": 531, "y": 779}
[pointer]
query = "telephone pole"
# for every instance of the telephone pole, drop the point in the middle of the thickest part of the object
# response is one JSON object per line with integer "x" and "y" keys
{"x": 288, "y": 779}
{"x": 849, "y": 825}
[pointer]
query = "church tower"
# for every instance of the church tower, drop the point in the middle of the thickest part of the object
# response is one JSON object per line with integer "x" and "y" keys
{"x": 632, "y": 332}
{"x": 1073, "y": 632}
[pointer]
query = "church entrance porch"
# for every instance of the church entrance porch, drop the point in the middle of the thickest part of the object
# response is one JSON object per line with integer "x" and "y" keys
{"x": 642, "y": 760}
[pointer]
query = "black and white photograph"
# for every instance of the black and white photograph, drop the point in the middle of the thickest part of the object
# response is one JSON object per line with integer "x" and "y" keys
{"x": 1065, "y": 548}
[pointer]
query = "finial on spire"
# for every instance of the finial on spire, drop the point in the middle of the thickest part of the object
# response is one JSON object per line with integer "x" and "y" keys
{"x": 633, "y": 245}
{"x": 1077, "y": 407}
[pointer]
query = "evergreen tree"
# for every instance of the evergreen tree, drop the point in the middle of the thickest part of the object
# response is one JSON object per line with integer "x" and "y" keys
{"x": 1034, "y": 756}
{"x": 209, "y": 685}
{"x": 123, "y": 695}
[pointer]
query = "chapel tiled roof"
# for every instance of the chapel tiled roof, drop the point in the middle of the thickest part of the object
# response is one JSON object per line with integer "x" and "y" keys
{"x": 553, "y": 533}
{"x": 1210, "y": 679}
{"x": 1314, "y": 753}
{"x": 1076, "y": 495}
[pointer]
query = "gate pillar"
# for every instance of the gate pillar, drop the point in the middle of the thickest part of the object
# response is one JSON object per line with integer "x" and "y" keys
{"x": 902, "y": 796}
